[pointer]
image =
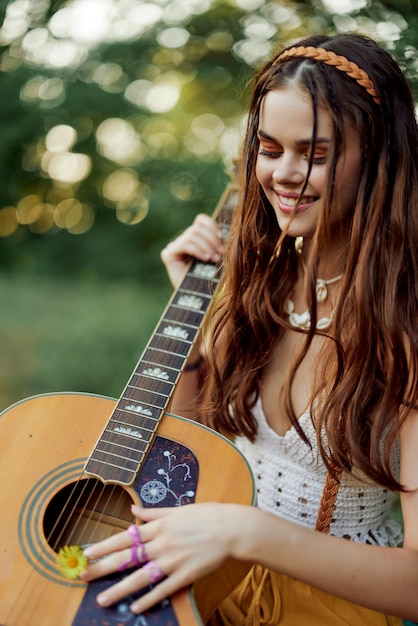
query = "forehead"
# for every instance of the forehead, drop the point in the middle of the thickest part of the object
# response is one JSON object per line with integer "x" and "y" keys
{"x": 287, "y": 112}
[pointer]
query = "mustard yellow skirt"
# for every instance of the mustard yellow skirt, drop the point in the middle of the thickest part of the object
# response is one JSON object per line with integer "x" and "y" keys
{"x": 266, "y": 598}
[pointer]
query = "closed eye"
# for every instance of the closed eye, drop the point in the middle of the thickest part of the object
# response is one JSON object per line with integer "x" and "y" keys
{"x": 272, "y": 154}
{"x": 319, "y": 160}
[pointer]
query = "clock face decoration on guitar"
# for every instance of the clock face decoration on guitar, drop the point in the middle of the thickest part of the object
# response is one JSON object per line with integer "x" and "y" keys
{"x": 72, "y": 465}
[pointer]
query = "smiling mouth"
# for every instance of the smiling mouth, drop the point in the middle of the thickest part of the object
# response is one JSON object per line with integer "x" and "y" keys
{"x": 292, "y": 202}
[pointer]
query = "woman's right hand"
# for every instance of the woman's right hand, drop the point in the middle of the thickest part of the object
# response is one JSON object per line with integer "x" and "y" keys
{"x": 202, "y": 240}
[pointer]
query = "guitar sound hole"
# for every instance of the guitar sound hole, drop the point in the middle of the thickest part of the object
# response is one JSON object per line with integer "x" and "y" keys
{"x": 86, "y": 511}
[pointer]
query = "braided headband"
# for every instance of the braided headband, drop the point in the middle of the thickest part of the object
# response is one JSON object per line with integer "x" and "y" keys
{"x": 336, "y": 60}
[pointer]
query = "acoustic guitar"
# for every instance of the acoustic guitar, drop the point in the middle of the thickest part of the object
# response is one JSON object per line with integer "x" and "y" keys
{"x": 63, "y": 483}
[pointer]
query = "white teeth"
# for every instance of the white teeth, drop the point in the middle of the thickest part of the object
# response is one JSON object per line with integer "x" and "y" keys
{"x": 293, "y": 201}
{"x": 288, "y": 201}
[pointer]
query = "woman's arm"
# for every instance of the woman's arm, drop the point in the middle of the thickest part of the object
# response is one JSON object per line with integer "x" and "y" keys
{"x": 189, "y": 542}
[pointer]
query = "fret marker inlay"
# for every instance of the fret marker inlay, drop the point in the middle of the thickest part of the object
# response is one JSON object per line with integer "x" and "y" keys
{"x": 191, "y": 302}
{"x": 128, "y": 431}
{"x": 137, "y": 408}
{"x": 156, "y": 372}
{"x": 201, "y": 270}
{"x": 175, "y": 331}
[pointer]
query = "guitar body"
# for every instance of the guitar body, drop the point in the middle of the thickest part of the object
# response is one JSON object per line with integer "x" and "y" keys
{"x": 45, "y": 442}
{"x": 62, "y": 483}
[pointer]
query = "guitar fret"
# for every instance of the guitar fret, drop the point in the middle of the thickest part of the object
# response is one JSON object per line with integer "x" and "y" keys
{"x": 160, "y": 395}
{"x": 155, "y": 355}
{"x": 143, "y": 400}
{"x": 115, "y": 466}
{"x": 139, "y": 411}
{"x": 178, "y": 338}
{"x": 161, "y": 348}
{"x": 129, "y": 465}
{"x": 162, "y": 387}
{"x": 147, "y": 424}
{"x": 184, "y": 325}
{"x": 199, "y": 285}
{"x": 117, "y": 430}
{"x": 128, "y": 426}
{"x": 150, "y": 385}
{"x": 194, "y": 294}
{"x": 175, "y": 330}
{"x": 162, "y": 351}
{"x": 175, "y": 369}
{"x": 107, "y": 447}
{"x": 119, "y": 445}
{"x": 181, "y": 308}
{"x": 179, "y": 314}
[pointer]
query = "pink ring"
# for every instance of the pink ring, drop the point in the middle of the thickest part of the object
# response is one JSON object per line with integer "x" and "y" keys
{"x": 133, "y": 532}
{"x": 135, "y": 559}
{"x": 154, "y": 572}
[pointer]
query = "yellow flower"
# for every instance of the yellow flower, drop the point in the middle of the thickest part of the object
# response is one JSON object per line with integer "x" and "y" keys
{"x": 71, "y": 561}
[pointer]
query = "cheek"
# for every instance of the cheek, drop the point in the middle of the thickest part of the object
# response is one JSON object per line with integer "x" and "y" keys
{"x": 261, "y": 172}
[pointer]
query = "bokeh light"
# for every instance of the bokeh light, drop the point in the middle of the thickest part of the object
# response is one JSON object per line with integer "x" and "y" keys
{"x": 118, "y": 141}
{"x": 175, "y": 80}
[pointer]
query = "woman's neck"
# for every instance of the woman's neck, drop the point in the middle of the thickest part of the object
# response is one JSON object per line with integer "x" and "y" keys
{"x": 331, "y": 261}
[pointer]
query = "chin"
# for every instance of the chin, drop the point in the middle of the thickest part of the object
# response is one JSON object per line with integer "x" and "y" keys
{"x": 293, "y": 229}
{"x": 301, "y": 224}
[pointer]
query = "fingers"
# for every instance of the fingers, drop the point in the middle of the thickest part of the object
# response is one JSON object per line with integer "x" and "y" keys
{"x": 112, "y": 544}
{"x": 105, "y": 566}
{"x": 170, "y": 551}
{"x": 138, "y": 580}
{"x": 123, "y": 550}
{"x": 126, "y": 539}
{"x": 203, "y": 240}
{"x": 165, "y": 589}
{"x": 149, "y": 574}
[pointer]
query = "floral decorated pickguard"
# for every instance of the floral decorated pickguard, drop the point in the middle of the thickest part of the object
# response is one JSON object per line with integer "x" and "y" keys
{"x": 169, "y": 475}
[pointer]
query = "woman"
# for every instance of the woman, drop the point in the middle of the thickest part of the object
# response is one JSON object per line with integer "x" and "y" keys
{"x": 311, "y": 353}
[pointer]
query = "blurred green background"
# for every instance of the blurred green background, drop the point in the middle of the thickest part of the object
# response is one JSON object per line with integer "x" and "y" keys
{"x": 119, "y": 122}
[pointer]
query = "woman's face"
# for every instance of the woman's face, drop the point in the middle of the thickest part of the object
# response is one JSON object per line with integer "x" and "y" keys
{"x": 285, "y": 135}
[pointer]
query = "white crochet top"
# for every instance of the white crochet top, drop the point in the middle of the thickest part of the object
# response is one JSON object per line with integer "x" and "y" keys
{"x": 290, "y": 477}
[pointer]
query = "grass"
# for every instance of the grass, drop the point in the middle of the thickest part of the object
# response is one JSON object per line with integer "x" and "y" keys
{"x": 79, "y": 337}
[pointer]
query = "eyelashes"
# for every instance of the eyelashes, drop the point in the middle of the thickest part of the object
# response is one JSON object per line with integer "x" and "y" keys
{"x": 275, "y": 154}
{"x": 270, "y": 153}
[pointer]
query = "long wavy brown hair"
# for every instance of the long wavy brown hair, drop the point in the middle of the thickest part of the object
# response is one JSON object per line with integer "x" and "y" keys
{"x": 368, "y": 379}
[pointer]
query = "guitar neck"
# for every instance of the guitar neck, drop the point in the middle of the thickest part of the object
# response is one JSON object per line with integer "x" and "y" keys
{"x": 124, "y": 442}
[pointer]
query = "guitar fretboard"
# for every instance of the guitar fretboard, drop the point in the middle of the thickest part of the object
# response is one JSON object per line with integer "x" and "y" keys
{"x": 124, "y": 442}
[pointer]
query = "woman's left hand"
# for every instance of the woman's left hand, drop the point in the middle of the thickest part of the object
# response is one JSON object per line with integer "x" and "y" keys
{"x": 184, "y": 543}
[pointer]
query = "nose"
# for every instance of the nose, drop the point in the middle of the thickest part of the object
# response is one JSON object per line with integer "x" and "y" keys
{"x": 289, "y": 170}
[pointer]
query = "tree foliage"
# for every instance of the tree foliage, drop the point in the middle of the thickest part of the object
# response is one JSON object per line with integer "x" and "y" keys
{"x": 120, "y": 118}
